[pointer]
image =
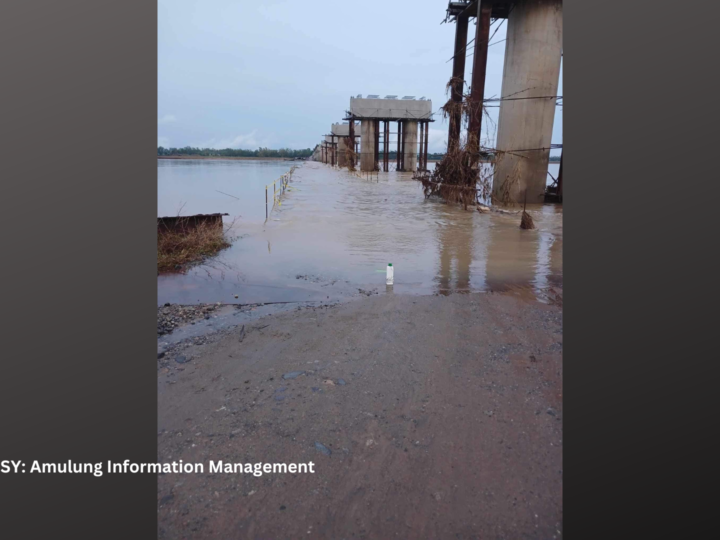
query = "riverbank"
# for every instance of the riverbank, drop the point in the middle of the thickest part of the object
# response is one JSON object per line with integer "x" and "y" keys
{"x": 426, "y": 417}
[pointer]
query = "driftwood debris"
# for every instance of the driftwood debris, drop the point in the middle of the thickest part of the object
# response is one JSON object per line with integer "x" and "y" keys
{"x": 459, "y": 177}
{"x": 526, "y": 222}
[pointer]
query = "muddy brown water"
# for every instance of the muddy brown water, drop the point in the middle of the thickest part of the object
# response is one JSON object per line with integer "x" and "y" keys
{"x": 335, "y": 232}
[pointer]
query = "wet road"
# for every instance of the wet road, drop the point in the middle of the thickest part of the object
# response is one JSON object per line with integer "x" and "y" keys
{"x": 425, "y": 416}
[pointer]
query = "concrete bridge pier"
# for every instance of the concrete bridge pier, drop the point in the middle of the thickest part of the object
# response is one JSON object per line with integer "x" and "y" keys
{"x": 410, "y": 145}
{"x": 341, "y": 152}
{"x": 532, "y": 68}
{"x": 330, "y": 153}
{"x": 367, "y": 145}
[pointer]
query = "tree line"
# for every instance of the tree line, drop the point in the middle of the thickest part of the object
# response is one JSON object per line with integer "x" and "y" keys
{"x": 234, "y": 152}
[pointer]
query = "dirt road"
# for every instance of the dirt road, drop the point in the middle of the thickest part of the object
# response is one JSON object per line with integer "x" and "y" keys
{"x": 442, "y": 417}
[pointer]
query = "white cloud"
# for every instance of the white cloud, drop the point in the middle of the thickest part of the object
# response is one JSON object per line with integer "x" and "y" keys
{"x": 164, "y": 142}
{"x": 168, "y": 118}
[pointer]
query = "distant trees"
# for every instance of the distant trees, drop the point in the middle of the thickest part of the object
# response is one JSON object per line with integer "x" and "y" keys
{"x": 233, "y": 152}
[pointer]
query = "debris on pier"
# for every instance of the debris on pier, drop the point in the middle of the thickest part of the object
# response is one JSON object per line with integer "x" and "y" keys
{"x": 526, "y": 222}
{"x": 458, "y": 177}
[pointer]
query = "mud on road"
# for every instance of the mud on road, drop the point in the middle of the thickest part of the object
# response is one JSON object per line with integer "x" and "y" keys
{"x": 441, "y": 417}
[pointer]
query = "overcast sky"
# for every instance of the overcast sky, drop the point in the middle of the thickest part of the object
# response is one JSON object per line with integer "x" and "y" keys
{"x": 241, "y": 74}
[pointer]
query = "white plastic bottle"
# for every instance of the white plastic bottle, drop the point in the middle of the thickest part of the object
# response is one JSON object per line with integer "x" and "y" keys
{"x": 390, "y": 272}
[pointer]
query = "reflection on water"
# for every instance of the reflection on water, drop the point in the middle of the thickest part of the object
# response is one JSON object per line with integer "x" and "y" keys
{"x": 456, "y": 252}
{"x": 336, "y": 232}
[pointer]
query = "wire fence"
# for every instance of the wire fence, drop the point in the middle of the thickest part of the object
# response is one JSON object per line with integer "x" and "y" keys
{"x": 367, "y": 175}
{"x": 278, "y": 191}
{"x": 374, "y": 175}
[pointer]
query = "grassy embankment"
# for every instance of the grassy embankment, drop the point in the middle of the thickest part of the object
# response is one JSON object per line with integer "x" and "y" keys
{"x": 178, "y": 248}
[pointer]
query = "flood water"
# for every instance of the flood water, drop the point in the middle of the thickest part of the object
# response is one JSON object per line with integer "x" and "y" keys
{"x": 335, "y": 233}
{"x": 208, "y": 186}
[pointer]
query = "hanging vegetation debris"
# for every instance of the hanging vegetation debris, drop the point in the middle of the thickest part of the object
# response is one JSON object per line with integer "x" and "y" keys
{"x": 459, "y": 176}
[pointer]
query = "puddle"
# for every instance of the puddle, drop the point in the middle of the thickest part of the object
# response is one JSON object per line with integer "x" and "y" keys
{"x": 225, "y": 318}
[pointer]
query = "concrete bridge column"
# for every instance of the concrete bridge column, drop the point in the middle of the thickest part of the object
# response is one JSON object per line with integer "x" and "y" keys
{"x": 342, "y": 152}
{"x": 410, "y": 142}
{"x": 367, "y": 145}
{"x": 532, "y": 68}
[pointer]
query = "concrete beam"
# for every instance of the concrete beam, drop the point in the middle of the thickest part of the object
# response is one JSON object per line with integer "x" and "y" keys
{"x": 343, "y": 130}
{"x": 532, "y": 68}
{"x": 391, "y": 109}
{"x": 500, "y": 8}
